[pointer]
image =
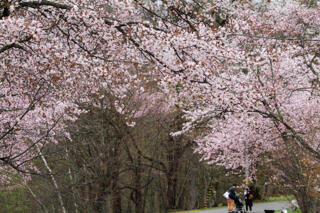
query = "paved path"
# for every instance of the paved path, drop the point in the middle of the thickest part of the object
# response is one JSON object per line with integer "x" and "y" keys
{"x": 257, "y": 208}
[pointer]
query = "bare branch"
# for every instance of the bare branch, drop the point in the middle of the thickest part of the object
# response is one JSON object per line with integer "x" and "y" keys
{"x": 38, "y": 4}
{"x": 15, "y": 45}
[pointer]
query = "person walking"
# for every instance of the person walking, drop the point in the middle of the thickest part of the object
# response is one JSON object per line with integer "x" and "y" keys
{"x": 248, "y": 198}
{"x": 232, "y": 197}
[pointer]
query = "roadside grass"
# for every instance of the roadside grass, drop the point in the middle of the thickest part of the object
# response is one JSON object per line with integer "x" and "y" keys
{"x": 295, "y": 211}
{"x": 13, "y": 201}
{"x": 278, "y": 198}
{"x": 194, "y": 210}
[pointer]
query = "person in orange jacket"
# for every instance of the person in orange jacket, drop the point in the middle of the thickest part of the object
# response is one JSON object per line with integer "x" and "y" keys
{"x": 232, "y": 197}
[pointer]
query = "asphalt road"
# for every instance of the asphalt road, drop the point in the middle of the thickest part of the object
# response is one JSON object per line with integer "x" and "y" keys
{"x": 257, "y": 208}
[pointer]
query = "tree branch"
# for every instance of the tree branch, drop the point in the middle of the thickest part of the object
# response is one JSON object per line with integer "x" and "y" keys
{"x": 15, "y": 45}
{"x": 38, "y": 4}
{"x": 295, "y": 135}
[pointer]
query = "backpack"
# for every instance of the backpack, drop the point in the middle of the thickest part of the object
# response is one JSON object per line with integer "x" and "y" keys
{"x": 251, "y": 197}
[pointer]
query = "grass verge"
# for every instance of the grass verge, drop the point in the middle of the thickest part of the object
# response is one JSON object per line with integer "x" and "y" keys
{"x": 295, "y": 211}
{"x": 194, "y": 210}
{"x": 280, "y": 198}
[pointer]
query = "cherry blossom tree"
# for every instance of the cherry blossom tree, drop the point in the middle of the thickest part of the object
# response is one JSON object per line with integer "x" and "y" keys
{"x": 247, "y": 77}
{"x": 53, "y": 55}
{"x": 250, "y": 81}
{"x": 267, "y": 96}
{"x": 248, "y": 73}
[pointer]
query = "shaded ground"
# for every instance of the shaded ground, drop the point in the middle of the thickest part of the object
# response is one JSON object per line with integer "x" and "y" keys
{"x": 257, "y": 208}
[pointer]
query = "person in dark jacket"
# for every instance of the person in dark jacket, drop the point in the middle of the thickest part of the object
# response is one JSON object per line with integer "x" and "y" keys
{"x": 232, "y": 197}
{"x": 248, "y": 197}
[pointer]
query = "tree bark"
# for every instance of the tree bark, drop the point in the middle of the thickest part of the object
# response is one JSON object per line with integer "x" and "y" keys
{"x": 138, "y": 187}
{"x": 72, "y": 188}
{"x": 172, "y": 181}
{"x": 116, "y": 195}
{"x": 55, "y": 184}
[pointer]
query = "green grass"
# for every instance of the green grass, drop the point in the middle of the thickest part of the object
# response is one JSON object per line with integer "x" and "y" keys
{"x": 279, "y": 198}
{"x": 11, "y": 201}
{"x": 194, "y": 210}
{"x": 295, "y": 211}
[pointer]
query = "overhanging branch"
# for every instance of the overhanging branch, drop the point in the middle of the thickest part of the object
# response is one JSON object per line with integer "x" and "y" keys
{"x": 15, "y": 45}
{"x": 38, "y": 4}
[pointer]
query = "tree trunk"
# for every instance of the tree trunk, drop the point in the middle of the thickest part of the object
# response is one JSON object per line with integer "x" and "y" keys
{"x": 172, "y": 187}
{"x": 72, "y": 188}
{"x": 307, "y": 203}
{"x": 137, "y": 192}
{"x": 192, "y": 192}
{"x": 55, "y": 184}
{"x": 116, "y": 195}
{"x": 174, "y": 155}
{"x": 100, "y": 202}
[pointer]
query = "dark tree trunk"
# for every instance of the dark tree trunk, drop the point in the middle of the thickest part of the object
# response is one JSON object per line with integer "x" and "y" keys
{"x": 173, "y": 164}
{"x": 172, "y": 190}
{"x": 307, "y": 203}
{"x": 116, "y": 194}
{"x": 137, "y": 192}
{"x": 99, "y": 203}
